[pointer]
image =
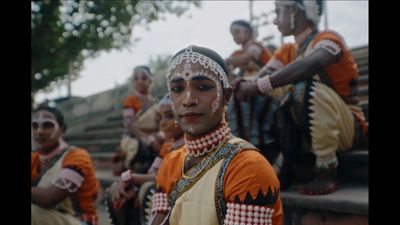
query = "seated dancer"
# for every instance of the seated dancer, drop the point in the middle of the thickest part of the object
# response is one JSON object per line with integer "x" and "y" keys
{"x": 253, "y": 55}
{"x": 140, "y": 142}
{"x": 127, "y": 187}
{"x": 316, "y": 79}
{"x": 64, "y": 185}
{"x": 252, "y": 119}
{"x": 218, "y": 178}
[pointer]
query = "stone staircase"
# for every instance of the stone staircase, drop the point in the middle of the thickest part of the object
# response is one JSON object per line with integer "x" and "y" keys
{"x": 101, "y": 141}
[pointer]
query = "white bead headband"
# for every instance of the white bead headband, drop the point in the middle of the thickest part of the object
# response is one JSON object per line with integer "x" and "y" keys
{"x": 194, "y": 57}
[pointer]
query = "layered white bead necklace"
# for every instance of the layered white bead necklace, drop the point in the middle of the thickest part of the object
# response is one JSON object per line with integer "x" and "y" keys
{"x": 204, "y": 144}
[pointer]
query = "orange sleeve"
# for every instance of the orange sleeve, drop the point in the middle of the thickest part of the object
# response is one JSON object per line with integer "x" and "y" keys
{"x": 265, "y": 56}
{"x": 80, "y": 161}
{"x": 330, "y": 35}
{"x": 343, "y": 72}
{"x": 34, "y": 165}
{"x": 165, "y": 149}
{"x": 250, "y": 178}
{"x": 132, "y": 102}
{"x": 286, "y": 53}
{"x": 170, "y": 170}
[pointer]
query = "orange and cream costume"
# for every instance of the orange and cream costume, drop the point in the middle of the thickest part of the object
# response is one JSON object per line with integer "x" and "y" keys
{"x": 144, "y": 116}
{"x": 319, "y": 107}
{"x": 229, "y": 182}
{"x": 233, "y": 184}
{"x": 70, "y": 165}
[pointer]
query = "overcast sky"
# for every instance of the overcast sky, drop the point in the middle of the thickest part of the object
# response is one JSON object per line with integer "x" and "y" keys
{"x": 206, "y": 26}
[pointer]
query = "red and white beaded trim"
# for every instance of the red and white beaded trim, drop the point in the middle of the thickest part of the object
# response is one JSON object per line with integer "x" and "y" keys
{"x": 207, "y": 143}
{"x": 264, "y": 84}
{"x": 248, "y": 214}
{"x": 160, "y": 203}
{"x": 328, "y": 45}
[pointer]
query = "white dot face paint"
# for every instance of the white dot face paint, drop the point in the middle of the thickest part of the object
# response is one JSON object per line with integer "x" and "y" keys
{"x": 42, "y": 121}
{"x": 188, "y": 65}
{"x": 215, "y": 104}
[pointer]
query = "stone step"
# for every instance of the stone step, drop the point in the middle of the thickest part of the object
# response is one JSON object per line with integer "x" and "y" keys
{"x": 353, "y": 167}
{"x": 115, "y": 118}
{"x": 360, "y": 52}
{"x": 105, "y": 177}
{"x": 362, "y": 90}
{"x": 348, "y": 205}
{"x": 350, "y": 198}
{"x": 363, "y": 70}
{"x": 96, "y": 134}
{"x": 102, "y": 160}
{"x": 363, "y": 79}
{"x": 362, "y": 60}
{"x": 101, "y": 145}
{"x": 105, "y": 126}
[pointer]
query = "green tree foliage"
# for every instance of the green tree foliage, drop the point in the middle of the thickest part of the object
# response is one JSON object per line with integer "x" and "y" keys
{"x": 64, "y": 32}
{"x": 159, "y": 66}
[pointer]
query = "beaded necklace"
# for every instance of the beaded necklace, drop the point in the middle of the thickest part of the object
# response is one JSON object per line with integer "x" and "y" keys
{"x": 204, "y": 144}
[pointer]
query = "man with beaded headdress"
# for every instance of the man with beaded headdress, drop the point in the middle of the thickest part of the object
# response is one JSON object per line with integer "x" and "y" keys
{"x": 217, "y": 178}
{"x": 316, "y": 78}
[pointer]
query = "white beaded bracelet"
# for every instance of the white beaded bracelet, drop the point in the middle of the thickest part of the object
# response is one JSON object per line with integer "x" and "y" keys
{"x": 126, "y": 176}
{"x": 264, "y": 84}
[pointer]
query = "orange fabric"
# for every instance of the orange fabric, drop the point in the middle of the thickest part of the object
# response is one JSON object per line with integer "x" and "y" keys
{"x": 286, "y": 54}
{"x": 165, "y": 148}
{"x": 340, "y": 73}
{"x": 170, "y": 170}
{"x": 265, "y": 55}
{"x": 34, "y": 166}
{"x": 79, "y": 159}
{"x": 359, "y": 115}
{"x": 249, "y": 172}
{"x": 133, "y": 102}
{"x": 345, "y": 70}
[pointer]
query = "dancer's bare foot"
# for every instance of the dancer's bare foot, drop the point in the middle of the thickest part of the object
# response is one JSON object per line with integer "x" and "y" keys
{"x": 325, "y": 182}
